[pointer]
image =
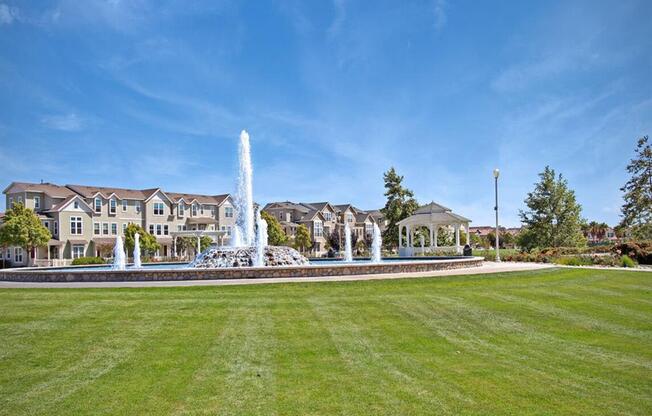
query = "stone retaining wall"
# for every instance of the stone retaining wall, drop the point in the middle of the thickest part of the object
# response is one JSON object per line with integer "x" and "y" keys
{"x": 40, "y": 275}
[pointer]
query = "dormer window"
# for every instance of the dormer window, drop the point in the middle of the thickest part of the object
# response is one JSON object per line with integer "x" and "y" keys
{"x": 328, "y": 216}
{"x": 76, "y": 204}
{"x": 37, "y": 202}
{"x": 182, "y": 209}
{"x": 98, "y": 205}
{"x": 112, "y": 206}
{"x": 194, "y": 210}
{"x": 228, "y": 212}
{"x": 125, "y": 204}
{"x": 318, "y": 229}
{"x": 137, "y": 207}
{"x": 349, "y": 217}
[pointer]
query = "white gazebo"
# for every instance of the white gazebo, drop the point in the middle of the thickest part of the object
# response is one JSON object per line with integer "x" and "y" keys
{"x": 433, "y": 216}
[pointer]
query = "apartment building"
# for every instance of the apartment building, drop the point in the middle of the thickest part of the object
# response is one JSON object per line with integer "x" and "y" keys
{"x": 321, "y": 218}
{"x": 83, "y": 218}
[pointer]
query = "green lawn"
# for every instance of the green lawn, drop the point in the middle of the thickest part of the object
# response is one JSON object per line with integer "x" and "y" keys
{"x": 549, "y": 342}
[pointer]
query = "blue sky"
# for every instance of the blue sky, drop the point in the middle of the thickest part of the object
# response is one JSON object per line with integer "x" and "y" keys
{"x": 152, "y": 93}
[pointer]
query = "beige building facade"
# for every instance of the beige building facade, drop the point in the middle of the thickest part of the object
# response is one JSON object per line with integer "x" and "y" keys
{"x": 82, "y": 219}
{"x": 321, "y": 219}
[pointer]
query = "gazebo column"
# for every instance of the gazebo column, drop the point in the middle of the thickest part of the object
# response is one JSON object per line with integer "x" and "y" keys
{"x": 431, "y": 236}
{"x": 457, "y": 237}
{"x": 174, "y": 246}
{"x": 198, "y": 245}
{"x": 409, "y": 236}
{"x": 436, "y": 235}
{"x": 468, "y": 235}
{"x": 400, "y": 236}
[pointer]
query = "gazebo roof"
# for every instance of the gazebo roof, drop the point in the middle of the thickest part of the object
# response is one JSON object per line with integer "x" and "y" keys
{"x": 434, "y": 213}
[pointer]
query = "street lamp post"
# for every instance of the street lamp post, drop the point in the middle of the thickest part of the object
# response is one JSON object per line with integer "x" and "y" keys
{"x": 496, "y": 175}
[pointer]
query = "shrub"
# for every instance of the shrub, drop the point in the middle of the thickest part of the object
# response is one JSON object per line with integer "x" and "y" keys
{"x": 626, "y": 261}
{"x": 640, "y": 251}
{"x": 87, "y": 260}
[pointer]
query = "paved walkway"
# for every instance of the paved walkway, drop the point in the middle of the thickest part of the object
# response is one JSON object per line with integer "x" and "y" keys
{"x": 487, "y": 267}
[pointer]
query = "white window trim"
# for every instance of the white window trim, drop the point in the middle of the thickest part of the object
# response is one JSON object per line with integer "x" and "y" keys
{"x": 162, "y": 205}
{"x": 37, "y": 202}
{"x": 56, "y": 228}
{"x": 114, "y": 226}
{"x": 181, "y": 209}
{"x": 98, "y": 210}
{"x": 77, "y": 221}
{"x": 97, "y": 227}
{"x": 125, "y": 204}
{"x": 113, "y": 206}
{"x": 105, "y": 226}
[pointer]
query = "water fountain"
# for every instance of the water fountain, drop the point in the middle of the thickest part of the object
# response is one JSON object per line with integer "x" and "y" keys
{"x": 348, "y": 251}
{"x": 248, "y": 243}
{"x": 119, "y": 258}
{"x": 376, "y": 244}
{"x": 137, "y": 263}
{"x": 261, "y": 239}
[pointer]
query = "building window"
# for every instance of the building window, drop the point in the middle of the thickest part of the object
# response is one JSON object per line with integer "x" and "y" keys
{"x": 77, "y": 251}
{"x": 18, "y": 255}
{"x": 76, "y": 204}
{"x": 318, "y": 229}
{"x": 194, "y": 210}
{"x": 229, "y": 229}
{"x": 151, "y": 229}
{"x": 20, "y": 200}
{"x": 212, "y": 211}
{"x": 368, "y": 228}
{"x": 105, "y": 228}
{"x": 158, "y": 229}
{"x": 96, "y": 228}
{"x": 182, "y": 210}
{"x": 349, "y": 217}
{"x": 76, "y": 226}
{"x": 37, "y": 202}
{"x": 166, "y": 229}
{"x": 178, "y": 227}
{"x": 56, "y": 228}
{"x": 114, "y": 228}
{"x": 201, "y": 209}
{"x": 137, "y": 207}
{"x": 8, "y": 254}
{"x": 124, "y": 228}
{"x": 112, "y": 206}
{"x": 98, "y": 205}
{"x": 228, "y": 212}
{"x": 158, "y": 208}
{"x": 328, "y": 216}
{"x": 125, "y": 204}
{"x": 11, "y": 202}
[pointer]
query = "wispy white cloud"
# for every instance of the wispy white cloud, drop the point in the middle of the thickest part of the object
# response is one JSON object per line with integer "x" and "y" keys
{"x": 439, "y": 12}
{"x": 8, "y": 14}
{"x": 67, "y": 122}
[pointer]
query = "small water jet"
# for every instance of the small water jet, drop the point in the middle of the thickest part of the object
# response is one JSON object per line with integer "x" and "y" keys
{"x": 261, "y": 240}
{"x": 119, "y": 258}
{"x": 137, "y": 263}
{"x": 348, "y": 251}
{"x": 376, "y": 244}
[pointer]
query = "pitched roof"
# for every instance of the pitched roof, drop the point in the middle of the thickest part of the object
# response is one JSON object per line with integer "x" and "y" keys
{"x": 55, "y": 191}
{"x": 288, "y": 205}
{"x": 121, "y": 193}
{"x": 58, "y": 207}
{"x": 202, "y": 199}
{"x": 432, "y": 207}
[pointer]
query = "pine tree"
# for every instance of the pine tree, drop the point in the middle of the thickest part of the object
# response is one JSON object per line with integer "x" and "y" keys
{"x": 553, "y": 218}
{"x": 637, "y": 209}
{"x": 400, "y": 205}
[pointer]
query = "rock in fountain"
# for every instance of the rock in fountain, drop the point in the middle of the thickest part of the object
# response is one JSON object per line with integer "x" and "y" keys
{"x": 137, "y": 263}
{"x": 246, "y": 249}
{"x": 348, "y": 251}
{"x": 376, "y": 244}
{"x": 119, "y": 260}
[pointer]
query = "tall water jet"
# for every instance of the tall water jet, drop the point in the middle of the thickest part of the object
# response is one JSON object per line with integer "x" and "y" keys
{"x": 348, "y": 251}
{"x": 376, "y": 244}
{"x": 236, "y": 237}
{"x": 261, "y": 240}
{"x": 137, "y": 263}
{"x": 244, "y": 196}
{"x": 119, "y": 261}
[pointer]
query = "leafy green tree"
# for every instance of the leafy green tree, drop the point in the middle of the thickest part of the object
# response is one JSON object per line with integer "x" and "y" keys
{"x": 22, "y": 228}
{"x": 637, "y": 209}
{"x": 333, "y": 239}
{"x": 553, "y": 217}
{"x": 276, "y": 235}
{"x": 400, "y": 205}
{"x": 302, "y": 240}
{"x": 148, "y": 243}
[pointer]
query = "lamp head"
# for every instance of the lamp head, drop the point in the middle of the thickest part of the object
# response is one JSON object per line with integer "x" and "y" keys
{"x": 496, "y": 173}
